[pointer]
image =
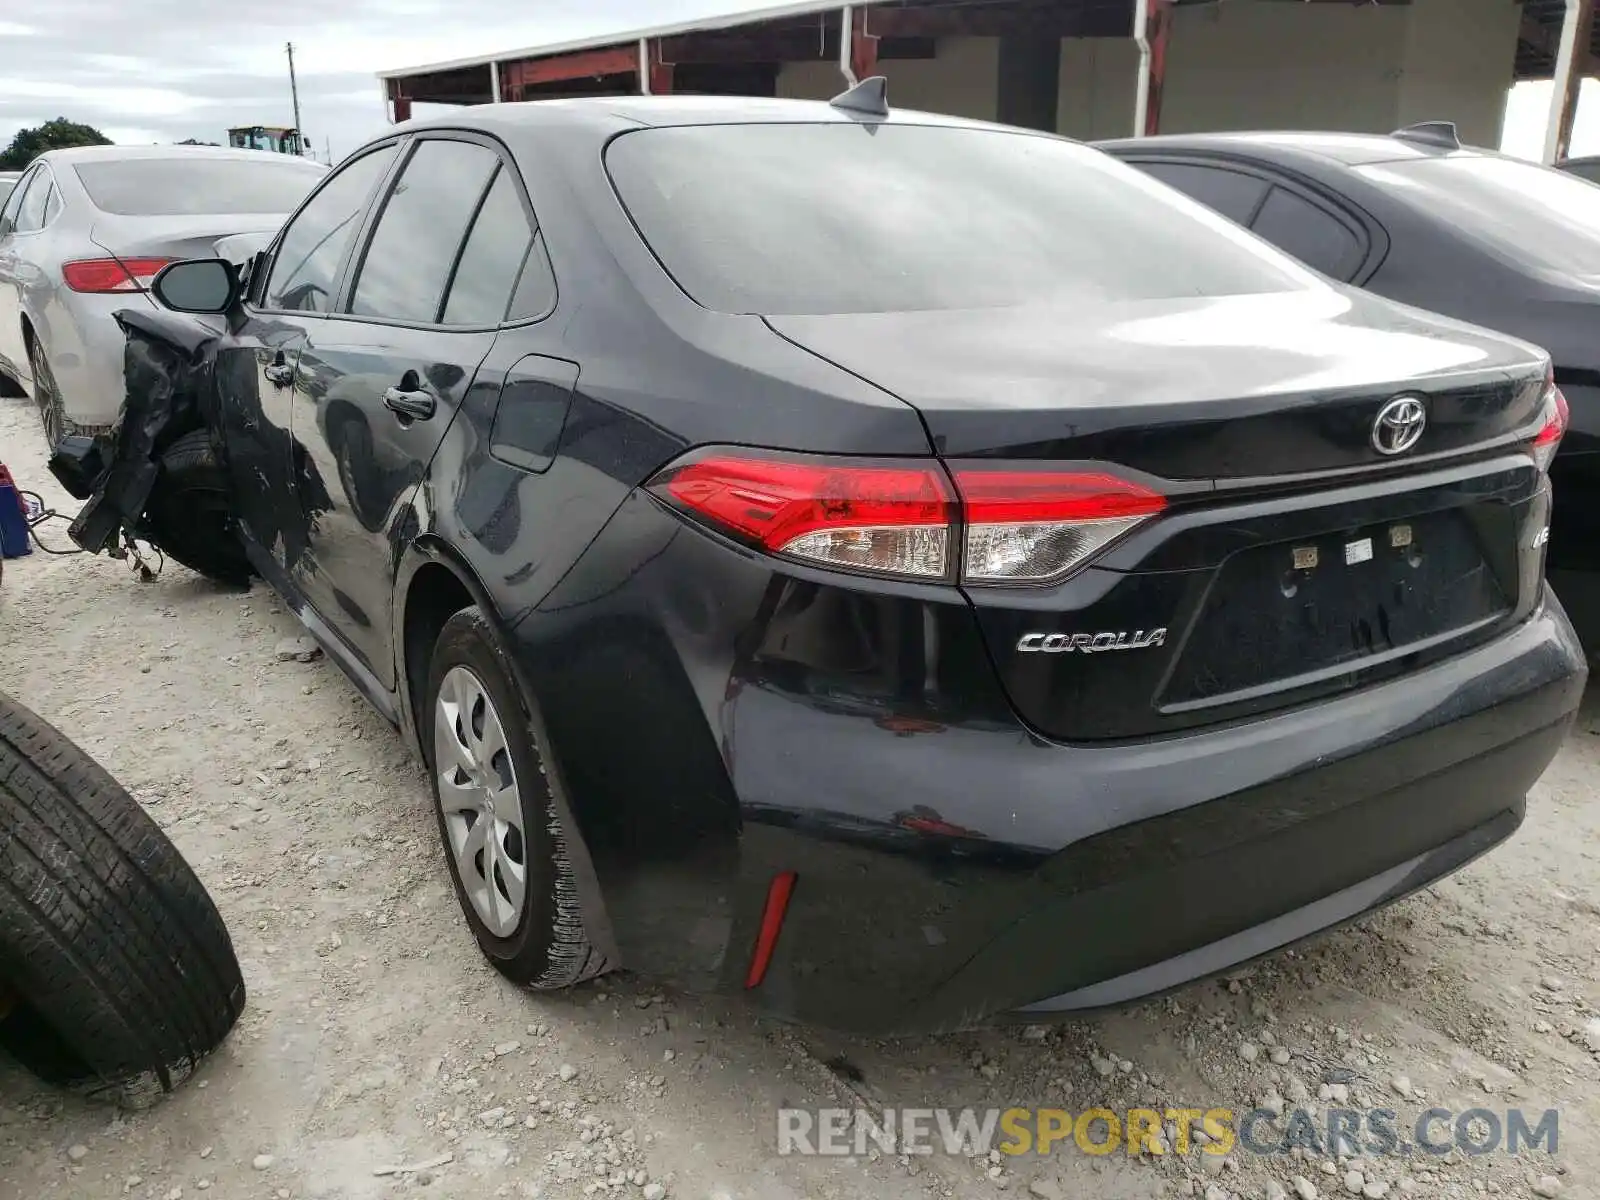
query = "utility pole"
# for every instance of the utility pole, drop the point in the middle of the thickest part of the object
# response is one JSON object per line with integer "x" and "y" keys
{"x": 294, "y": 93}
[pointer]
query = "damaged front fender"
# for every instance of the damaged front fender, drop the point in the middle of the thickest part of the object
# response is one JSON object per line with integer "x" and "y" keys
{"x": 169, "y": 375}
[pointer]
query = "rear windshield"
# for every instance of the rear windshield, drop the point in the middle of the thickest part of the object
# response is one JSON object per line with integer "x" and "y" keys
{"x": 173, "y": 187}
{"x": 1530, "y": 214}
{"x": 848, "y": 218}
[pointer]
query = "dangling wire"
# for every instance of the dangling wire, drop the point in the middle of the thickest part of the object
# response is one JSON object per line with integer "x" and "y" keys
{"x": 136, "y": 555}
{"x": 38, "y": 517}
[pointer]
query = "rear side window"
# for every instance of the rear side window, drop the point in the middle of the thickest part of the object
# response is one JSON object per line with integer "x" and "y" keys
{"x": 305, "y": 270}
{"x": 846, "y": 218}
{"x": 1313, "y": 235}
{"x": 408, "y": 262}
{"x": 174, "y": 187}
{"x": 1233, "y": 194}
{"x": 31, "y": 214}
{"x": 492, "y": 259}
{"x": 536, "y": 290}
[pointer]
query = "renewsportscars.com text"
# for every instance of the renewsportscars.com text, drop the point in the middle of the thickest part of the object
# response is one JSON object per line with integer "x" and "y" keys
{"x": 1376, "y": 1132}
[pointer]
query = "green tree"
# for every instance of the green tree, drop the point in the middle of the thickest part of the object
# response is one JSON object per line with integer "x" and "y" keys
{"x": 52, "y": 135}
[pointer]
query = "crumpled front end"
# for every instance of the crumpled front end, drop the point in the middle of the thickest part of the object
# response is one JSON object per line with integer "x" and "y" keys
{"x": 168, "y": 391}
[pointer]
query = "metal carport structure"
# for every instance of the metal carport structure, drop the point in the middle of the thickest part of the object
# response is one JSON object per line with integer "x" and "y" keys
{"x": 754, "y": 52}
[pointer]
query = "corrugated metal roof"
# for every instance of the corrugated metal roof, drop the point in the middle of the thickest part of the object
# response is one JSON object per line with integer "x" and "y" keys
{"x": 747, "y": 16}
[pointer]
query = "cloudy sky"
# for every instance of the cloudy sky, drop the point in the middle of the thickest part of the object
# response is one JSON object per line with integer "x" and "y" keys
{"x": 159, "y": 71}
{"x": 165, "y": 70}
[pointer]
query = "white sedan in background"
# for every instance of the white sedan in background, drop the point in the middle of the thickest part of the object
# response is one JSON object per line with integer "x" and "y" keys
{"x": 83, "y": 233}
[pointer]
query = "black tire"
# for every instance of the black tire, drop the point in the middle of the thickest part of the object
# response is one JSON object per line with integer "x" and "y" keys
{"x": 52, "y": 410}
{"x": 190, "y": 515}
{"x": 119, "y": 972}
{"x": 550, "y": 948}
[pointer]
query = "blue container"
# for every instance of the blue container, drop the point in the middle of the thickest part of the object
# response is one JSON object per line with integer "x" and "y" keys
{"x": 13, "y": 529}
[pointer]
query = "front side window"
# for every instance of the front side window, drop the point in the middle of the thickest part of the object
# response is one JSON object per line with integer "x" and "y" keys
{"x": 854, "y": 218}
{"x": 407, "y": 266}
{"x": 305, "y": 270}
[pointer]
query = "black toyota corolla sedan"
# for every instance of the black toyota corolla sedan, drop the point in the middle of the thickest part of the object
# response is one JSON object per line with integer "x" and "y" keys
{"x": 1418, "y": 217}
{"x": 905, "y": 570}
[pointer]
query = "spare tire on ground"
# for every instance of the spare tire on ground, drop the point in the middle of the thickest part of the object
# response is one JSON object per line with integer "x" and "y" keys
{"x": 117, "y": 974}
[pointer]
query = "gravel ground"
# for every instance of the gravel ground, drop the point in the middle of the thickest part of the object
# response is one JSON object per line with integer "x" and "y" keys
{"x": 376, "y": 1038}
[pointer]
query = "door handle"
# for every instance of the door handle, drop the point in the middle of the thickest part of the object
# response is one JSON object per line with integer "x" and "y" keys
{"x": 411, "y": 406}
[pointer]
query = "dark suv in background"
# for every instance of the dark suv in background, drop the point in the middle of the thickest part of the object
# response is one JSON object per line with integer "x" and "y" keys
{"x": 809, "y": 566}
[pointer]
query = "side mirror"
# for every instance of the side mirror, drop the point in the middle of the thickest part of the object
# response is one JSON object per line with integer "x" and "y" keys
{"x": 197, "y": 285}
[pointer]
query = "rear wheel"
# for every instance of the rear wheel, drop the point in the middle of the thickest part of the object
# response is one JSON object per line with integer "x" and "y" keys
{"x": 117, "y": 975}
{"x": 52, "y": 411}
{"x": 190, "y": 515}
{"x": 503, "y": 833}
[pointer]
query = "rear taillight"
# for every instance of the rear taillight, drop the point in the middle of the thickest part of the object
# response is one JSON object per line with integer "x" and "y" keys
{"x": 901, "y": 517}
{"x": 112, "y": 274}
{"x": 1556, "y": 417}
{"x": 885, "y": 517}
{"x": 1034, "y": 526}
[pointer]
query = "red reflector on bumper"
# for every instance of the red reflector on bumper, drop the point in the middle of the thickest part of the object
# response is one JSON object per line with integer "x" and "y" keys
{"x": 778, "y": 893}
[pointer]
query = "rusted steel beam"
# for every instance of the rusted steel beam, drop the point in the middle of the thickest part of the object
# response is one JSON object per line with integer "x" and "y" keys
{"x": 1055, "y": 20}
{"x": 1570, "y": 82}
{"x": 580, "y": 64}
{"x": 712, "y": 48}
{"x": 863, "y": 47}
{"x": 1159, "y": 34}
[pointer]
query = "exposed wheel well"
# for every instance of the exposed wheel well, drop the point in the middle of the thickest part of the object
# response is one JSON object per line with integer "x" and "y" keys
{"x": 435, "y": 595}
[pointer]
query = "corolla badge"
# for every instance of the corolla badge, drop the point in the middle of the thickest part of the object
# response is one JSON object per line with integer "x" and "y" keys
{"x": 1399, "y": 425}
{"x": 1090, "y": 643}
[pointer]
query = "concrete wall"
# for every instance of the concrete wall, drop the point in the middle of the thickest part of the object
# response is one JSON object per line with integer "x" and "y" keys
{"x": 1244, "y": 64}
{"x": 1096, "y": 93}
{"x": 1286, "y": 66}
{"x": 964, "y": 80}
{"x": 1458, "y": 66}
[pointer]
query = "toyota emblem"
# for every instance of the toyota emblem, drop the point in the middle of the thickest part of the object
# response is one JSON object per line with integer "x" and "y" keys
{"x": 1399, "y": 425}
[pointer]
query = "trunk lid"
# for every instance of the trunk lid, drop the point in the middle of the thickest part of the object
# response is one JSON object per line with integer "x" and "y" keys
{"x": 178, "y": 237}
{"x": 1294, "y": 559}
{"x": 1190, "y": 389}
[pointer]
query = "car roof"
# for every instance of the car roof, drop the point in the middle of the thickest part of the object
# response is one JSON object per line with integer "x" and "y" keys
{"x": 81, "y": 154}
{"x": 613, "y": 114}
{"x": 1347, "y": 149}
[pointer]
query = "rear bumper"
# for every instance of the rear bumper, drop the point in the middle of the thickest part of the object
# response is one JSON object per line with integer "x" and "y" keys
{"x": 718, "y": 719}
{"x": 1125, "y": 871}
